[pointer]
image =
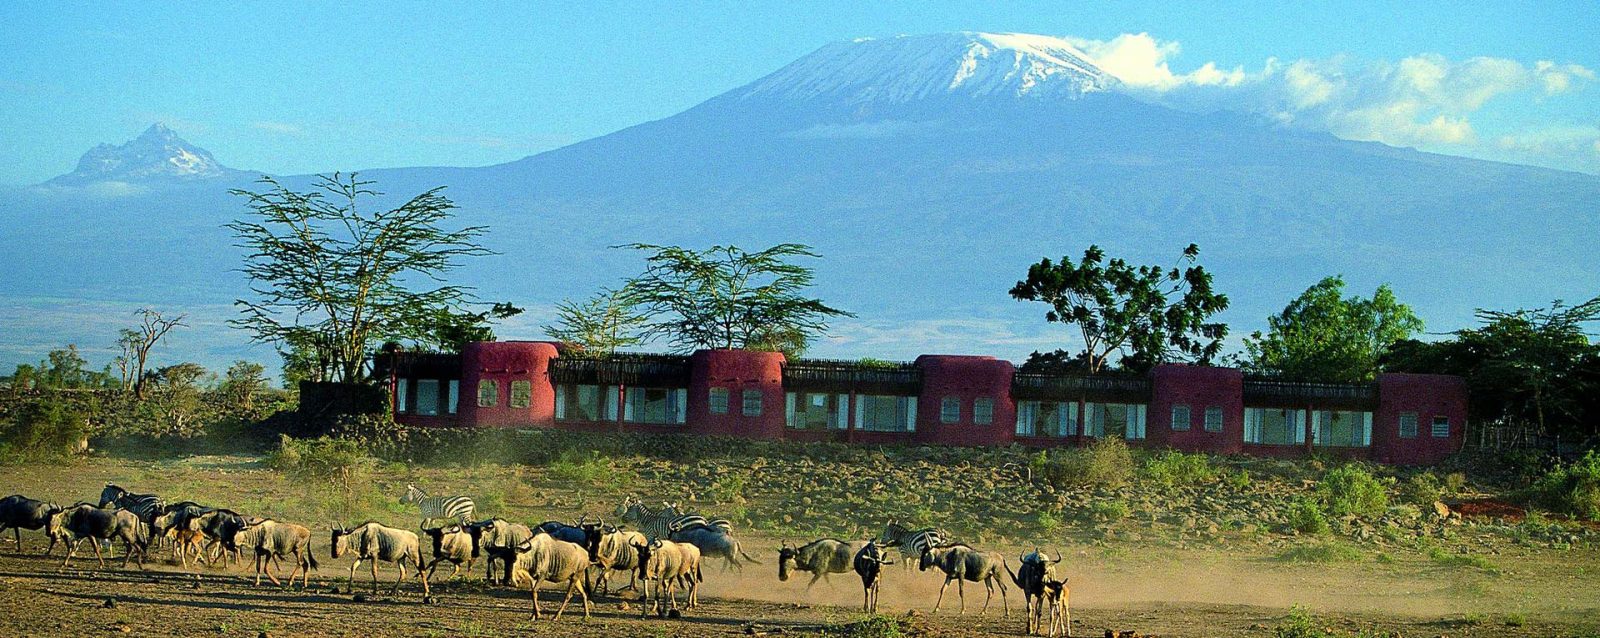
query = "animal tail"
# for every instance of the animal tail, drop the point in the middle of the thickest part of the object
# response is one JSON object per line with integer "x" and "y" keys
{"x": 311, "y": 557}
{"x": 1013, "y": 574}
{"x": 740, "y": 548}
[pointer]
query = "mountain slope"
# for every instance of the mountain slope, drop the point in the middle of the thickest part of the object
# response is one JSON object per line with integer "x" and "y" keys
{"x": 929, "y": 191}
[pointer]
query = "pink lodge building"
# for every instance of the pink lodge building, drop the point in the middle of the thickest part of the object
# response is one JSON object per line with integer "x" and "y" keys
{"x": 1410, "y": 419}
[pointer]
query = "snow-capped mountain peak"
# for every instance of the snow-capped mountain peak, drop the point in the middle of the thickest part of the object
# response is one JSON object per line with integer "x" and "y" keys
{"x": 909, "y": 68}
{"x": 157, "y": 154}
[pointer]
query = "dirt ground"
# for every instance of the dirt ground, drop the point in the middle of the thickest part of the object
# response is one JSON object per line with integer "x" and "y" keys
{"x": 1225, "y": 588}
{"x": 45, "y": 600}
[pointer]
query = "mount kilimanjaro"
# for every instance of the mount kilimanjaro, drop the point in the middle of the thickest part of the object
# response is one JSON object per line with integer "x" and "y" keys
{"x": 929, "y": 170}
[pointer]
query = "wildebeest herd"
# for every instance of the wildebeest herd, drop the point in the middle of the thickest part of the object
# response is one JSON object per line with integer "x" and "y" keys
{"x": 661, "y": 554}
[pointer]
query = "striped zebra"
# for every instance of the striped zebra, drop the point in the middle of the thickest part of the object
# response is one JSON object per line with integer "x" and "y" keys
{"x": 145, "y": 506}
{"x": 662, "y": 523}
{"x": 912, "y": 543}
{"x": 458, "y": 508}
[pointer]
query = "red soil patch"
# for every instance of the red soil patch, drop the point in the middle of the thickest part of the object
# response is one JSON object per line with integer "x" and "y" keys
{"x": 1489, "y": 507}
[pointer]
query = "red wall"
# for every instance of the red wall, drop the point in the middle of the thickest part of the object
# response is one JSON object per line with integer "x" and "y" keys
{"x": 1198, "y": 387}
{"x": 504, "y": 362}
{"x": 966, "y": 378}
{"x": 736, "y": 370}
{"x": 1428, "y": 395}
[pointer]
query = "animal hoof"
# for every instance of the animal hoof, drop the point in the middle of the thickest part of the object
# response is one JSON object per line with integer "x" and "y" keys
{"x": 674, "y": 614}
{"x": 360, "y": 598}
{"x": 110, "y": 603}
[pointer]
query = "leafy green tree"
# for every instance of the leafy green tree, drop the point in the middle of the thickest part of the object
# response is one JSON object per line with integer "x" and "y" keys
{"x": 1537, "y": 370}
{"x": 602, "y": 324}
{"x": 446, "y": 330}
{"x": 725, "y": 297}
{"x": 332, "y": 277}
{"x": 1325, "y": 336}
{"x": 241, "y": 384}
{"x": 1149, "y": 314}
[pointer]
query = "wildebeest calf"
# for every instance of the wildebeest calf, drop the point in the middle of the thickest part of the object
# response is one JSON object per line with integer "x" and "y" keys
{"x": 1030, "y": 577}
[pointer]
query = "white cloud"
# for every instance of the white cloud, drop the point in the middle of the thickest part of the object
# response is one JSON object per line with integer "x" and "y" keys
{"x": 1425, "y": 100}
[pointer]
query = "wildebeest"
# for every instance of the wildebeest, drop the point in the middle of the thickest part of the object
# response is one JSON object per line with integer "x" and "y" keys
{"x": 714, "y": 542}
{"x": 453, "y": 544}
{"x": 457, "y": 508}
{"x": 668, "y": 564}
{"x": 18, "y": 512}
{"x": 1034, "y": 569}
{"x": 562, "y": 531}
{"x": 499, "y": 538}
{"x": 962, "y": 563}
{"x": 372, "y": 541}
{"x": 220, "y": 526}
{"x": 820, "y": 557}
{"x": 543, "y": 558}
{"x": 868, "y": 563}
{"x": 611, "y": 549}
{"x": 911, "y": 543}
{"x": 1056, "y": 594}
{"x": 271, "y": 539}
{"x": 83, "y": 520}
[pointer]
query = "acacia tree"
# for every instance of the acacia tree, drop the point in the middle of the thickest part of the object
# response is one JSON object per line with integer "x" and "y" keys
{"x": 724, "y": 297}
{"x": 1324, "y": 336}
{"x": 601, "y": 324}
{"x": 448, "y": 330}
{"x": 1149, "y": 314}
{"x": 136, "y": 344}
{"x": 328, "y": 274}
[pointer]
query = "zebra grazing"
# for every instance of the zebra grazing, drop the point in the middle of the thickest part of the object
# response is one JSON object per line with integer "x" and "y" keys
{"x": 911, "y": 543}
{"x": 458, "y": 508}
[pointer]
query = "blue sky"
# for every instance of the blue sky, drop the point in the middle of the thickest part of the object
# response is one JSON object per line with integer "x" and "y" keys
{"x": 338, "y": 86}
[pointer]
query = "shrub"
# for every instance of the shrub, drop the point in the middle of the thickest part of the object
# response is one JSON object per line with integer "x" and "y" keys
{"x": 339, "y": 464}
{"x": 1305, "y": 516}
{"x": 1422, "y": 489}
{"x": 1048, "y": 523}
{"x": 1448, "y": 559}
{"x": 1106, "y": 463}
{"x": 575, "y": 467}
{"x": 1350, "y": 489}
{"x": 1173, "y": 468}
{"x": 42, "y": 429}
{"x": 1570, "y": 489}
{"x": 1110, "y": 510}
{"x": 1299, "y": 624}
{"x": 1239, "y": 480}
{"x": 1455, "y": 483}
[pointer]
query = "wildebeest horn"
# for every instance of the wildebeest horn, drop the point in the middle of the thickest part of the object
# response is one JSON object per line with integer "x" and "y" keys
{"x": 1059, "y": 555}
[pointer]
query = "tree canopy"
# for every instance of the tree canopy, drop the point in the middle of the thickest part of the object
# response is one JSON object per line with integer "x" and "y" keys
{"x": 332, "y": 279}
{"x": 600, "y": 325}
{"x": 1325, "y": 336}
{"x": 725, "y": 297}
{"x": 1149, "y": 314}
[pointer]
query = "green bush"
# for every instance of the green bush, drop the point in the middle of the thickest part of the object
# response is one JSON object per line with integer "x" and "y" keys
{"x": 1111, "y": 510}
{"x": 1299, "y": 624}
{"x": 1443, "y": 557}
{"x": 42, "y": 429}
{"x": 1570, "y": 489}
{"x": 1107, "y": 462}
{"x": 1239, "y": 480}
{"x": 1306, "y": 516}
{"x": 1172, "y": 468}
{"x": 1350, "y": 489}
{"x": 1422, "y": 489}
{"x": 1455, "y": 483}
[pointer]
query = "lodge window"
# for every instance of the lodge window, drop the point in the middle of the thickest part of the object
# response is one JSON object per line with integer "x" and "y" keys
{"x": 883, "y": 413}
{"x": 453, "y": 395}
{"x": 983, "y": 410}
{"x": 521, "y": 394}
{"x": 1047, "y": 418}
{"x": 400, "y": 386}
{"x": 1441, "y": 427}
{"x": 949, "y": 410}
{"x": 1180, "y": 418}
{"x": 1274, "y": 426}
{"x": 718, "y": 400}
{"x": 488, "y": 393}
{"x": 1342, "y": 429}
{"x": 428, "y": 397}
{"x": 664, "y": 406}
{"x": 1114, "y": 419}
{"x": 750, "y": 403}
{"x": 816, "y": 410}
{"x": 1213, "y": 419}
{"x": 1408, "y": 425}
{"x": 584, "y": 403}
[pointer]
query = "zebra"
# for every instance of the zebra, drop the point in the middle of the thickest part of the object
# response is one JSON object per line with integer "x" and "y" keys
{"x": 144, "y": 506}
{"x": 912, "y": 543}
{"x": 663, "y": 523}
{"x": 459, "y": 508}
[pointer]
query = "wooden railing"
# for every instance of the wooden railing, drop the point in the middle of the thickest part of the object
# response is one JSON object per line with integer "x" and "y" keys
{"x": 846, "y": 376}
{"x": 1296, "y": 393}
{"x": 659, "y": 370}
{"x": 1029, "y": 385}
